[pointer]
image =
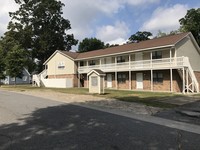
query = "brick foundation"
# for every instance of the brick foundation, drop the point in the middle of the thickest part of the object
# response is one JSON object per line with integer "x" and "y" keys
{"x": 164, "y": 86}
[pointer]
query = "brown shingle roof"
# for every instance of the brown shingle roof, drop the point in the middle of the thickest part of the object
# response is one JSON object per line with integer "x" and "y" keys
{"x": 157, "y": 42}
{"x": 71, "y": 54}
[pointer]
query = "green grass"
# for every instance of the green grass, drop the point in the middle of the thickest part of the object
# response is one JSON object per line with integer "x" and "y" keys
{"x": 147, "y": 98}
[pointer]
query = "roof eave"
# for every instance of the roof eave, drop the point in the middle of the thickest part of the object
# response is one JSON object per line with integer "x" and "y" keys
{"x": 139, "y": 50}
{"x": 57, "y": 51}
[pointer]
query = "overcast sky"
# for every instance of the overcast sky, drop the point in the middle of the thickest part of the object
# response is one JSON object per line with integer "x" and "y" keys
{"x": 113, "y": 21}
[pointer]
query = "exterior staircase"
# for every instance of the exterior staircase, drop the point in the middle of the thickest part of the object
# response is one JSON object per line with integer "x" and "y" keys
{"x": 38, "y": 80}
{"x": 190, "y": 82}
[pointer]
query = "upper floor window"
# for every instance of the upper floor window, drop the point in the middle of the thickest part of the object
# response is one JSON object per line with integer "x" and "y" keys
{"x": 92, "y": 62}
{"x": 81, "y": 63}
{"x": 120, "y": 59}
{"x": 157, "y": 55}
{"x": 61, "y": 65}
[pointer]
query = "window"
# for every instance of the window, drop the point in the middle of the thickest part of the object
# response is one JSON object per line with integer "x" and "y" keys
{"x": 94, "y": 81}
{"x": 120, "y": 59}
{"x": 12, "y": 79}
{"x": 92, "y": 62}
{"x": 81, "y": 63}
{"x": 121, "y": 77}
{"x": 157, "y": 55}
{"x": 157, "y": 77}
{"x": 61, "y": 65}
{"x": 24, "y": 78}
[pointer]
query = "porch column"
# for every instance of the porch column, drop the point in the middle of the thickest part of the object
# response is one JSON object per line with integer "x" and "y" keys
{"x": 87, "y": 63}
{"x": 103, "y": 84}
{"x": 130, "y": 80}
{"x": 78, "y": 75}
{"x": 116, "y": 83}
{"x": 183, "y": 80}
{"x": 129, "y": 58}
{"x": 171, "y": 80}
{"x": 79, "y": 80}
{"x": 187, "y": 80}
{"x": 100, "y": 63}
{"x": 170, "y": 56}
{"x": 151, "y": 58}
{"x": 87, "y": 82}
{"x": 151, "y": 80}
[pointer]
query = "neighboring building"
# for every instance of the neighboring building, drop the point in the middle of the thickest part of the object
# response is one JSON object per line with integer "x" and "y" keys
{"x": 170, "y": 63}
{"x": 26, "y": 79}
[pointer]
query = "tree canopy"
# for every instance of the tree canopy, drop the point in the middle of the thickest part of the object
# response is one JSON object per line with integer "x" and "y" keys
{"x": 140, "y": 36}
{"x": 89, "y": 44}
{"x": 39, "y": 27}
{"x": 15, "y": 62}
{"x": 191, "y": 23}
{"x": 2, "y": 64}
{"x": 161, "y": 34}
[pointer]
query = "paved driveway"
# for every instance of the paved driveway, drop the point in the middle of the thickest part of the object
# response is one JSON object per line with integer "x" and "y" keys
{"x": 28, "y": 123}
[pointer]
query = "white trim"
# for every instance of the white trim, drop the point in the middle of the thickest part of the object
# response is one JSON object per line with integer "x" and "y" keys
{"x": 57, "y": 51}
{"x": 95, "y": 72}
{"x": 151, "y": 80}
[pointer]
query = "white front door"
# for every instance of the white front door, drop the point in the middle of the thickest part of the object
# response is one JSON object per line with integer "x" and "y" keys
{"x": 139, "y": 57}
{"x": 108, "y": 60}
{"x": 139, "y": 80}
{"x": 109, "y": 80}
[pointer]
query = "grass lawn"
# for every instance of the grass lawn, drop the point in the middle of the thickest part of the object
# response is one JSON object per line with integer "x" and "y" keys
{"x": 147, "y": 98}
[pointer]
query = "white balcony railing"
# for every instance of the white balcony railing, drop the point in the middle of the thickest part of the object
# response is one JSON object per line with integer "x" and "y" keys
{"x": 138, "y": 65}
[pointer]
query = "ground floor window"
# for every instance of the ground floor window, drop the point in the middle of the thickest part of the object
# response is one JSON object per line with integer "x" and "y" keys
{"x": 157, "y": 77}
{"x": 121, "y": 77}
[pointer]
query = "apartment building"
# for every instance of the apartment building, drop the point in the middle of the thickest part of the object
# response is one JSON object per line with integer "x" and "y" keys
{"x": 170, "y": 63}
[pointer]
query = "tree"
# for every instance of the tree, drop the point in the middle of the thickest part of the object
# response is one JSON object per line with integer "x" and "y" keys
{"x": 39, "y": 27}
{"x": 90, "y": 44}
{"x": 112, "y": 45}
{"x": 161, "y": 34}
{"x": 140, "y": 36}
{"x": 191, "y": 23}
{"x": 15, "y": 62}
{"x": 2, "y": 64}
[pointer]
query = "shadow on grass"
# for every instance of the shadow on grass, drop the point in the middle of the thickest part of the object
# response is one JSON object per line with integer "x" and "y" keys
{"x": 154, "y": 99}
{"x": 73, "y": 128}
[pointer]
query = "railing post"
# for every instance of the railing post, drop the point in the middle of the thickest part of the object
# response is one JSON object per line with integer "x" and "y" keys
{"x": 129, "y": 58}
{"x": 151, "y": 59}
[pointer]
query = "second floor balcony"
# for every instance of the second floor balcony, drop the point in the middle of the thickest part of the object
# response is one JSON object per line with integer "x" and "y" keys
{"x": 164, "y": 63}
